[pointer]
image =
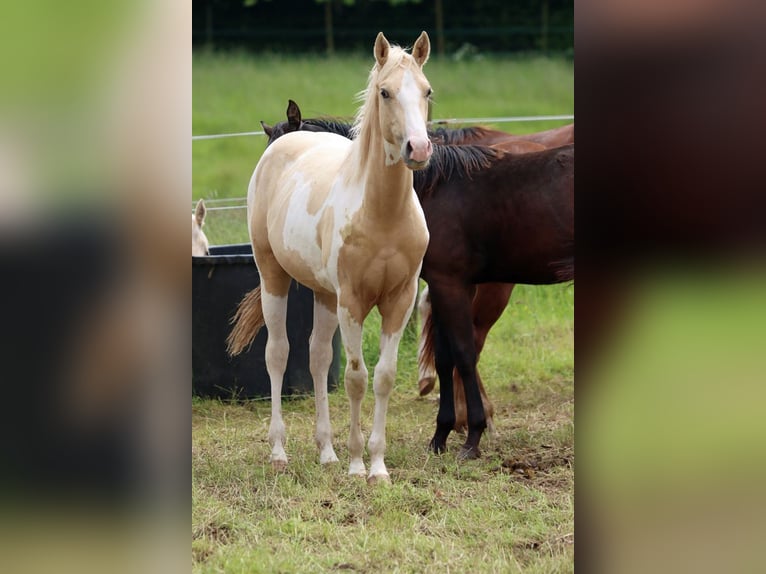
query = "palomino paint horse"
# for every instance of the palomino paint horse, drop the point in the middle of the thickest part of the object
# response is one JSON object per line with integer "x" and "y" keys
{"x": 493, "y": 217}
{"x": 200, "y": 245}
{"x": 342, "y": 218}
{"x": 490, "y": 299}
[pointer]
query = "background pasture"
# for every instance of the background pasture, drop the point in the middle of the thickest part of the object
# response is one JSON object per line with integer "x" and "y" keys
{"x": 510, "y": 511}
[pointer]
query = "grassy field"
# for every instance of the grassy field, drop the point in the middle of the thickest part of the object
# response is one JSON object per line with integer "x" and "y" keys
{"x": 232, "y": 93}
{"x": 510, "y": 511}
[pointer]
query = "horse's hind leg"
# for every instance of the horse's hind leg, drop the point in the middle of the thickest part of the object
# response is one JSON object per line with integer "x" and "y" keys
{"x": 320, "y": 352}
{"x": 274, "y": 290}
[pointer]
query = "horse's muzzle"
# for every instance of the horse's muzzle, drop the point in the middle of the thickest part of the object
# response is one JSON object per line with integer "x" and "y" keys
{"x": 417, "y": 152}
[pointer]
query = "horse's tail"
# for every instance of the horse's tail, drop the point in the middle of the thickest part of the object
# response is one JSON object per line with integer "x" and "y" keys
{"x": 426, "y": 360}
{"x": 564, "y": 270}
{"x": 247, "y": 321}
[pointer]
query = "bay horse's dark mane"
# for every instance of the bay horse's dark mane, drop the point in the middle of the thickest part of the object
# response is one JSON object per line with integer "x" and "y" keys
{"x": 453, "y": 161}
{"x": 450, "y": 136}
{"x": 332, "y": 125}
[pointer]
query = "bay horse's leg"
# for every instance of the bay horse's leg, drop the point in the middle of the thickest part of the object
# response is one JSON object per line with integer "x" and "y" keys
{"x": 395, "y": 311}
{"x": 274, "y": 289}
{"x": 453, "y": 331}
{"x": 489, "y": 303}
{"x": 355, "y": 382}
{"x": 426, "y": 367}
{"x": 320, "y": 358}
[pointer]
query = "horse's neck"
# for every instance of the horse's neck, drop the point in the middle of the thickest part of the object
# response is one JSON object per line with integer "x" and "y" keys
{"x": 387, "y": 188}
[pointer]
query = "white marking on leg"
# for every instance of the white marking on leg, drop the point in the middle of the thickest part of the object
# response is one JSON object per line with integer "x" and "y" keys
{"x": 355, "y": 381}
{"x": 383, "y": 384}
{"x": 321, "y": 351}
{"x": 277, "y": 351}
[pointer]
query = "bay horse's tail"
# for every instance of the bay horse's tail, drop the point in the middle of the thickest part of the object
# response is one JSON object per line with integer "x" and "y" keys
{"x": 247, "y": 321}
{"x": 564, "y": 270}
{"x": 426, "y": 360}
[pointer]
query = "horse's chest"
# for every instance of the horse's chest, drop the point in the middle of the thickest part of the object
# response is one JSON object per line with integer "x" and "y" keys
{"x": 380, "y": 261}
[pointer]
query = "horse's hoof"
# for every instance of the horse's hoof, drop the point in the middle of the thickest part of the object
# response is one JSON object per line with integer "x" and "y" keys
{"x": 330, "y": 459}
{"x": 426, "y": 385}
{"x": 279, "y": 465}
{"x": 469, "y": 453}
{"x": 357, "y": 470}
{"x": 379, "y": 479}
{"x": 437, "y": 448}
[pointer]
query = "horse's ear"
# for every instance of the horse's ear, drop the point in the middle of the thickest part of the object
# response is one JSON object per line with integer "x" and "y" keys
{"x": 293, "y": 115}
{"x": 382, "y": 47}
{"x": 267, "y": 128}
{"x": 422, "y": 49}
{"x": 199, "y": 212}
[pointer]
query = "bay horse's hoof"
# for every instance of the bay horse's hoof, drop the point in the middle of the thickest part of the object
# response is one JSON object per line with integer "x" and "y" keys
{"x": 426, "y": 385}
{"x": 379, "y": 479}
{"x": 469, "y": 453}
{"x": 279, "y": 465}
{"x": 437, "y": 447}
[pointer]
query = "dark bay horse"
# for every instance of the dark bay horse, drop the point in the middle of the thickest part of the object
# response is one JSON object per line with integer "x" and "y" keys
{"x": 502, "y": 219}
{"x": 490, "y": 299}
{"x": 525, "y": 206}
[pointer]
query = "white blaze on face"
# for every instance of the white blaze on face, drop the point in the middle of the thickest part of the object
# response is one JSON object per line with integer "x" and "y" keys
{"x": 411, "y": 97}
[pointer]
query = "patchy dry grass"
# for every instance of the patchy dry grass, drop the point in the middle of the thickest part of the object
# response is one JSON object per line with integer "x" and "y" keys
{"x": 510, "y": 511}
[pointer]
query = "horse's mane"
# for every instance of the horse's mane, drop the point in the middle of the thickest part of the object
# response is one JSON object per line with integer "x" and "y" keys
{"x": 363, "y": 129}
{"x": 453, "y": 161}
{"x": 332, "y": 125}
{"x": 441, "y": 136}
{"x": 454, "y": 136}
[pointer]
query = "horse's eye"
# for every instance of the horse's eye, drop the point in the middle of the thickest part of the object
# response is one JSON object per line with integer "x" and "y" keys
{"x": 429, "y": 92}
{"x": 384, "y": 94}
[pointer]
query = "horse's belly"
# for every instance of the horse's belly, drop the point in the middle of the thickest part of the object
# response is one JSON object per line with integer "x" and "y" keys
{"x": 302, "y": 257}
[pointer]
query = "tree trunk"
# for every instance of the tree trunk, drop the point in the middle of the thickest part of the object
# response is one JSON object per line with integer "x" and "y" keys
{"x": 209, "y": 25}
{"x": 439, "y": 27}
{"x": 328, "y": 33}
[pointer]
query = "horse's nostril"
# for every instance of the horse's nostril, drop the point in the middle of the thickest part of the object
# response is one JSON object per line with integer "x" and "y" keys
{"x": 409, "y": 147}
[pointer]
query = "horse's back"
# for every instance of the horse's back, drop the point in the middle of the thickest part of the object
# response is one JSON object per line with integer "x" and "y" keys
{"x": 511, "y": 222}
{"x": 287, "y": 201}
{"x": 318, "y": 152}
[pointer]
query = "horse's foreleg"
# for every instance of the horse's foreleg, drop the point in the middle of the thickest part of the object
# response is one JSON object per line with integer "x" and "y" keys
{"x": 320, "y": 353}
{"x": 489, "y": 303}
{"x": 455, "y": 348}
{"x": 277, "y": 351}
{"x": 355, "y": 382}
{"x": 395, "y": 312}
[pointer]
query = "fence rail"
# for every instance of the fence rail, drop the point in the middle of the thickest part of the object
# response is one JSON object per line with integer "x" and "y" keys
{"x": 445, "y": 121}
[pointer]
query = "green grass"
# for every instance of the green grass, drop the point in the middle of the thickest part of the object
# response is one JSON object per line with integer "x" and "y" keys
{"x": 510, "y": 511}
{"x": 232, "y": 93}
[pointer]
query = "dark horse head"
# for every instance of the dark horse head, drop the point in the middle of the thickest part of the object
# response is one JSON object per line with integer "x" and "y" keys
{"x": 295, "y": 123}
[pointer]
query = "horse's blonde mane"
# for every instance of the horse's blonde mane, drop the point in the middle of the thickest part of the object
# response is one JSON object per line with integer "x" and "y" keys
{"x": 364, "y": 129}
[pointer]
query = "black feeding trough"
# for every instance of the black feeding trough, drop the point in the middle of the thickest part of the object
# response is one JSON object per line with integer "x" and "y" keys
{"x": 219, "y": 281}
